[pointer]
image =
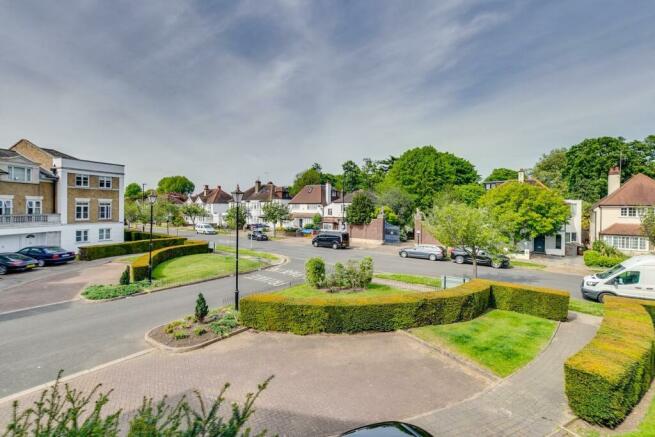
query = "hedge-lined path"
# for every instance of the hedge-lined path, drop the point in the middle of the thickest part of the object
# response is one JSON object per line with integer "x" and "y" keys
{"x": 404, "y": 285}
{"x": 530, "y": 402}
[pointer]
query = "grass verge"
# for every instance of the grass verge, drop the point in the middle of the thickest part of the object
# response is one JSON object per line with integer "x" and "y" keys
{"x": 247, "y": 252}
{"x": 527, "y": 265}
{"x": 410, "y": 279}
{"x": 502, "y": 341}
{"x": 587, "y": 307}
{"x": 374, "y": 290}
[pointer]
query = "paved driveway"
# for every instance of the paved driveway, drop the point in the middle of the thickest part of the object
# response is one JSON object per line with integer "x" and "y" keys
{"x": 323, "y": 384}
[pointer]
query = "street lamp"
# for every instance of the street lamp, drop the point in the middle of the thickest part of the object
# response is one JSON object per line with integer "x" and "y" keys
{"x": 237, "y": 195}
{"x": 152, "y": 198}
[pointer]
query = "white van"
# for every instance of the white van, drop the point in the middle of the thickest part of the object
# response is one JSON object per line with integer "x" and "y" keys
{"x": 205, "y": 228}
{"x": 634, "y": 277}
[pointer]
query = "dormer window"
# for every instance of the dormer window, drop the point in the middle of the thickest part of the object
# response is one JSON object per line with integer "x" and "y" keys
{"x": 20, "y": 174}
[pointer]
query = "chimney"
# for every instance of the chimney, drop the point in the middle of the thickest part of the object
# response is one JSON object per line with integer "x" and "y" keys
{"x": 613, "y": 180}
{"x": 205, "y": 190}
{"x": 258, "y": 185}
{"x": 218, "y": 187}
{"x": 521, "y": 176}
{"x": 328, "y": 192}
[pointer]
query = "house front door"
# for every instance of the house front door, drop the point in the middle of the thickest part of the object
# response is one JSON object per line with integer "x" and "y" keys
{"x": 540, "y": 244}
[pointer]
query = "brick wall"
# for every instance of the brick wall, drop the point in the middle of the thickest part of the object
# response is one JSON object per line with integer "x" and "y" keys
{"x": 421, "y": 233}
{"x": 93, "y": 193}
{"x": 33, "y": 153}
{"x": 20, "y": 190}
{"x": 372, "y": 231}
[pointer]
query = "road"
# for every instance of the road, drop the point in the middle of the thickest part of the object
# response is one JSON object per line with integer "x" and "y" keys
{"x": 77, "y": 335}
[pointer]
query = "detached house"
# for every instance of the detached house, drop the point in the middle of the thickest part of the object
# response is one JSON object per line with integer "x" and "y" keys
{"x": 312, "y": 200}
{"x": 616, "y": 218}
{"x": 255, "y": 197}
{"x": 49, "y": 197}
{"x": 215, "y": 201}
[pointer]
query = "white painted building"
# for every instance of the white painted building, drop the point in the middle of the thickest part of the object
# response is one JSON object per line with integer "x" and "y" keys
{"x": 215, "y": 201}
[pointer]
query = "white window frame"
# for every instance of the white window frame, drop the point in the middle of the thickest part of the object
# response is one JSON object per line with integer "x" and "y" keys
{"x": 27, "y": 173}
{"x": 82, "y": 236}
{"x": 106, "y": 181}
{"x": 623, "y": 242}
{"x": 628, "y": 211}
{"x": 104, "y": 203}
{"x": 6, "y": 206}
{"x": 36, "y": 205}
{"x": 82, "y": 203}
{"x": 104, "y": 234}
{"x": 80, "y": 179}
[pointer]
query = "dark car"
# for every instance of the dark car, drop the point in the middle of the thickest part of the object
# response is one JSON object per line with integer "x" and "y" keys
{"x": 48, "y": 254}
{"x": 335, "y": 240}
{"x": 15, "y": 262}
{"x": 424, "y": 251}
{"x": 388, "y": 429}
{"x": 258, "y": 235}
{"x": 461, "y": 256}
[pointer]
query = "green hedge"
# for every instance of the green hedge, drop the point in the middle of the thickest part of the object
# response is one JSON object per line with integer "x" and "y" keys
{"x": 191, "y": 247}
{"x": 97, "y": 251}
{"x": 595, "y": 259}
{"x": 133, "y": 235}
{"x": 609, "y": 376}
{"x": 276, "y": 312}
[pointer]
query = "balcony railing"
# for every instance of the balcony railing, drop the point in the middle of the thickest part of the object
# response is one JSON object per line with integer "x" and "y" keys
{"x": 29, "y": 220}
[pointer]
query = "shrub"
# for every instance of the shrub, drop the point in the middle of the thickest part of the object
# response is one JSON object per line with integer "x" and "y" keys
{"x": 593, "y": 258}
{"x": 536, "y": 301}
{"x": 97, "y": 251}
{"x": 609, "y": 376}
{"x": 125, "y": 276}
{"x": 201, "y": 308}
{"x": 366, "y": 268}
{"x": 315, "y": 272}
{"x": 171, "y": 327}
{"x": 99, "y": 292}
{"x": 605, "y": 249}
{"x": 199, "y": 331}
{"x": 191, "y": 247}
{"x": 180, "y": 334}
{"x": 352, "y": 276}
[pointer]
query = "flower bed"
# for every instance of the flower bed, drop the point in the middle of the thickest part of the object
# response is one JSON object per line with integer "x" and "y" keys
{"x": 188, "y": 332}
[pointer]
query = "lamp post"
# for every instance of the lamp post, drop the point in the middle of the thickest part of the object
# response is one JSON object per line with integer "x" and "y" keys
{"x": 237, "y": 195}
{"x": 169, "y": 217}
{"x": 152, "y": 198}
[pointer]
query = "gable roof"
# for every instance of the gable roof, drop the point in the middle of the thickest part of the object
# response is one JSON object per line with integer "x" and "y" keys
{"x": 212, "y": 196}
{"x": 311, "y": 194}
{"x": 629, "y": 229}
{"x": 639, "y": 190}
{"x": 266, "y": 193}
{"x": 58, "y": 154}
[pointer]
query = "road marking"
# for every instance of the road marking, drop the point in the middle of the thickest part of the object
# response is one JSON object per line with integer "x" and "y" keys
{"x": 287, "y": 272}
{"x": 266, "y": 279}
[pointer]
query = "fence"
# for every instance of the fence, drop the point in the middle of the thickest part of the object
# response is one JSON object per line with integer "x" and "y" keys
{"x": 453, "y": 281}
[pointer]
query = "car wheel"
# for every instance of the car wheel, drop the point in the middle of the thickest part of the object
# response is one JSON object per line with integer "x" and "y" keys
{"x": 335, "y": 246}
{"x": 601, "y": 297}
{"x": 41, "y": 263}
{"x": 403, "y": 254}
{"x": 315, "y": 244}
{"x": 496, "y": 264}
{"x": 459, "y": 259}
{"x": 433, "y": 257}
{"x": 3, "y": 270}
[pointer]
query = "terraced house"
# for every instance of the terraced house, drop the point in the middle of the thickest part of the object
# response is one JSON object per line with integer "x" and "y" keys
{"x": 49, "y": 197}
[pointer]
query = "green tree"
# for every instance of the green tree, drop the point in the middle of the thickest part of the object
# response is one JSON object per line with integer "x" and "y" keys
{"x": 399, "y": 201}
{"x": 525, "y": 210}
{"x": 423, "y": 171}
{"x": 550, "y": 167}
{"x": 231, "y": 217}
{"x": 134, "y": 212}
{"x": 352, "y": 176}
{"x": 361, "y": 209}
{"x": 201, "y": 308}
{"x": 276, "y": 213}
{"x": 317, "y": 220}
{"x": 470, "y": 228}
{"x": 467, "y": 193}
{"x": 588, "y": 163}
{"x": 175, "y": 184}
{"x": 193, "y": 212}
{"x": 648, "y": 225}
{"x": 389, "y": 216}
{"x": 503, "y": 174}
{"x": 133, "y": 191}
{"x": 308, "y": 177}
{"x": 373, "y": 173}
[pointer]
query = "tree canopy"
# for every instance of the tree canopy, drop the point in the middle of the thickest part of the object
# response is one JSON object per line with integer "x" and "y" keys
{"x": 361, "y": 209}
{"x": 133, "y": 191}
{"x": 175, "y": 184}
{"x": 423, "y": 171}
{"x": 307, "y": 177}
{"x": 231, "y": 217}
{"x": 525, "y": 211}
{"x": 193, "y": 212}
{"x": 549, "y": 169}
{"x": 400, "y": 203}
{"x": 275, "y": 213}
{"x": 503, "y": 174}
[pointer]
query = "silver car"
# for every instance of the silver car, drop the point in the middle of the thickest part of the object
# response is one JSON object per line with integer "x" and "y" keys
{"x": 424, "y": 251}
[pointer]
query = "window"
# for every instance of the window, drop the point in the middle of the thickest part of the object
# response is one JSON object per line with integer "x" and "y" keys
{"x": 81, "y": 210}
{"x": 20, "y": 174}
{"x": 104, "y": 234}
{"x": 104, "y": 182}
{"x": 5, "y": 207}
{"x": 627, "y": 278}
{"x": 571, "y": 236}
{"x": 82, "y": 180}
{"x": 82, "y": 236}
{"x": 33, "y": 207}
{"x": 558, "y": 241}
{"x": 626, "y": 243}
{"x": 628, "y": 211}
{"x": 329, "y": 211}
{"x": 104, "y": 211}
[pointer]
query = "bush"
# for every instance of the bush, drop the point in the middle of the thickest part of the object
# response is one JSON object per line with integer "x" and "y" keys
{"x": 191, "y": 247}
{"x": 605, "y": 249}
{"x": 100, "y": 292}
{"x": 97, "y": 251}
{"x": 353, "y": 276}
{"x": 315, "y": 272}
{"x": 201, "y": 308}
{"x": 593, "y": 258}
{"x": 608, "y": 377}
{"x": 536, "y": 301}
{"x": 125, "y": 276}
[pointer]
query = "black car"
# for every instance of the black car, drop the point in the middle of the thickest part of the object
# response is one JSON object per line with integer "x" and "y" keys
{"x": 258, "y": 235}
{"x": 48, "y": 254}
{"x": 461, "y": 256}
{"x": 388, "y": 429}
{"x": 15, "y": 262}
{"x": 335, "y": 240}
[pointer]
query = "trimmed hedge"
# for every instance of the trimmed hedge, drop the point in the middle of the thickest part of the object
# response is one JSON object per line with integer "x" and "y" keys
{"x": 133, "y": 235}
{"x": 97, "y": 251}
{"x": 190, "y": 247}
{"x": 609, "y": 376}
{"x": 593, "y": 258}
{"x": 276, "y": 312}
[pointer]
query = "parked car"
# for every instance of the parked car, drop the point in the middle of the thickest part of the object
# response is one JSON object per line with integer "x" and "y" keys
{"x": 634, "y": 277}
{"x": 258, "y": 227}
{"x": 15, "y": 262}
{"x": 48, "y": 254}
{"x": 388, "y": 429}
{"x": 258, "y": 235}
{"x": 461, "y": 256}
{"x": 205, "y": 228}
{"x": 424, "y": 251}
{"x": 335, "y": 240}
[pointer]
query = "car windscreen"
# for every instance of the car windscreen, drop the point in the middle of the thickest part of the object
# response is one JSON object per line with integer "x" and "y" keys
{"x": 614, "y": 270}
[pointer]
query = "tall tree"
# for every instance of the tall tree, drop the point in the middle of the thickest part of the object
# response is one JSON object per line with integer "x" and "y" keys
{"x": 361, "y": 209}
{"x": 352, "y": 176}
{"x": 467, "y": 193}
{"x": 550, "y": 167}
{"x": 423, "y": 171}
{"x": 526, "y": 211}
{"x": 308, "y": 177}
{"x": 193, "y": 212}
{"x": 275, "y": 213}
{"x": 175, "y": 184}
{"x": 373, "y": 173}
{"x": 503, "y": 174}
{"x": 233, "y": 220}
{"x": 133, "y": 191}
{"x": 400, "y": 203}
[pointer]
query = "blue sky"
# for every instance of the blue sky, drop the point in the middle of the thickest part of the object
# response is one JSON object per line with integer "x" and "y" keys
{"x": 226, "y": 92}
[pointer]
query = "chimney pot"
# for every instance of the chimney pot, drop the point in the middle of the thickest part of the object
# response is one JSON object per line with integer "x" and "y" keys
{"x": 258, "y": 185}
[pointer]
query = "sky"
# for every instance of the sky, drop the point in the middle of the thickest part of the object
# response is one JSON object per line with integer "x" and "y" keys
{"x": 225, "y": 92}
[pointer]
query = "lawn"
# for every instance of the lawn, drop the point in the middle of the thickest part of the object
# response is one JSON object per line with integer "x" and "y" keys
{"x": 246, "y": 252}
{"x": 198, "y": 267}
{"x": 586, "y": 306}
{"x": 410, "y": 279}
{"x": 373, "y": 290}
{"x": 502, "y": 341}
{"x": 128, "y": 259}
{"x": 527, "y": 264}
